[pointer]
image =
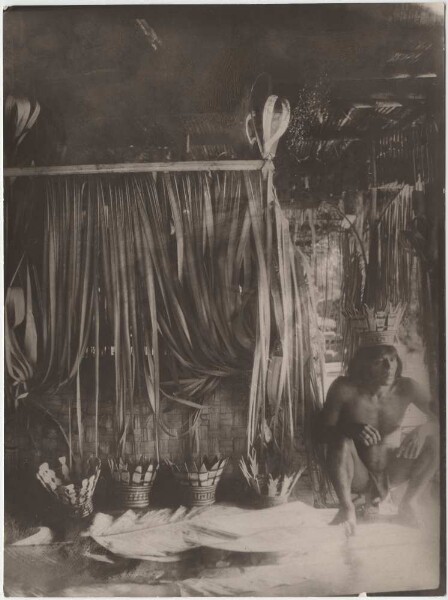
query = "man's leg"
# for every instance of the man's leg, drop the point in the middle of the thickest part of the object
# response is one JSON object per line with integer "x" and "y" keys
{"x": 348, "y": 474}
{"x": 418, "y": 472}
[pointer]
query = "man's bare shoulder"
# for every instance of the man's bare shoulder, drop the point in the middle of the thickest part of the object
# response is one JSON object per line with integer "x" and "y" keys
{"x": 407, "y": 385}
{"x": 410, "y": 390}
{"x": 342, "y": 389}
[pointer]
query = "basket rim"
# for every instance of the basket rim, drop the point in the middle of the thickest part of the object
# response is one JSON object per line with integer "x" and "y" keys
{"x": 202, "y": 488}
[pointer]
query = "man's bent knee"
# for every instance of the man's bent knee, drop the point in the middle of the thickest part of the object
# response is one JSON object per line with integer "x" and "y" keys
{"x": 342, "y": 449}
{"x": 342, "y": 442}
{"x": 432, "y": 445}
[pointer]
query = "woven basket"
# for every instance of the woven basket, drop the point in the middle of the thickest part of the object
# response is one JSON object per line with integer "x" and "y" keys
{"x": 76, "y": 499}
{"x": 82, "y": 510}
{"x": 132, "y": 481}
{"x": 199, "y": 496}
{"x": 263, "y": 501}
{"x": 133, "y": 495}
{"x": 198, "y": 486}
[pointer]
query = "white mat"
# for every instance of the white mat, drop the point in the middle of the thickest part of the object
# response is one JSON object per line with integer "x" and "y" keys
{"x": 313, "y": 557}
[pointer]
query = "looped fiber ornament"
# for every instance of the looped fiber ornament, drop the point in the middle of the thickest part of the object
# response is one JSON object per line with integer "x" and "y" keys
{"x": 275, "y": 120}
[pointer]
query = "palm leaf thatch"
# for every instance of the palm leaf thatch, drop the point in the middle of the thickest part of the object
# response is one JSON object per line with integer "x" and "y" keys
{"x": 46, "y": 338}
{"x": 377, "y": 267}
{"x": 196, "y": 267}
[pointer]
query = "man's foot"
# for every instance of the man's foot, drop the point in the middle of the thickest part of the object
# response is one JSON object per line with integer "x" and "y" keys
{"x": 346, "y": 516}
{"x": 371, "y": 512}
{"x": 359, "y": 502}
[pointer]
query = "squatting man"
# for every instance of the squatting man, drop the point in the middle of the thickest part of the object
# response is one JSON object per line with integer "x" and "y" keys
{"x": 360, "y": 424}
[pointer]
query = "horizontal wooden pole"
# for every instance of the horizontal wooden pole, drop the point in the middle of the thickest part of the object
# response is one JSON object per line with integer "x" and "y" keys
{"x": 196, "y": 165}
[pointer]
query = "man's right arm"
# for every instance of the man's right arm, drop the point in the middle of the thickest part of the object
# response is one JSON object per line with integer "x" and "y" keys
{"x": 332, "y": 425}
{"x": 329, "y": 421}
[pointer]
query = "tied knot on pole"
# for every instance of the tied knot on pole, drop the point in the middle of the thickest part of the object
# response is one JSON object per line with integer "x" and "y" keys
{"x": 268, "y": 168}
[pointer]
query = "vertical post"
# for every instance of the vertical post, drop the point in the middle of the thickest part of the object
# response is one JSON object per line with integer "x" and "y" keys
{"x": 373, "y": 207}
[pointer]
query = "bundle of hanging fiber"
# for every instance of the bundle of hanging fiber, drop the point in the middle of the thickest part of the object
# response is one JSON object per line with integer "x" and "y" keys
{"x": 198, "y": 267}
{"x": 378, "y": 267}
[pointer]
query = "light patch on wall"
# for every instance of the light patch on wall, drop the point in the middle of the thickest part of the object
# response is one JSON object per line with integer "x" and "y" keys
{"x": 438, "y": 8}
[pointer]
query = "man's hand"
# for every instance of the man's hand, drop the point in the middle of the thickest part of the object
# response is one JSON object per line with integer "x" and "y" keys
{"x": 413, "y": 443}
{"x": 366, "y": 434}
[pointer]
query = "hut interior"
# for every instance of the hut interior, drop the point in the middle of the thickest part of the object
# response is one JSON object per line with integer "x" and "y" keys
{"x": 201, "y": 205}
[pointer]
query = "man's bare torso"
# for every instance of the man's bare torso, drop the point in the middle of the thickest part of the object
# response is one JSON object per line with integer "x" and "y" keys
{"x": 384, "y": 411}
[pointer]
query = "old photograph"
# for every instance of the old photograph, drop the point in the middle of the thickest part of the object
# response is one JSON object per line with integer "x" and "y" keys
{"x": 224, "y": 300}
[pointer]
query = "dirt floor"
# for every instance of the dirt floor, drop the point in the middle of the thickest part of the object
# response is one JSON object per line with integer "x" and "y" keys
{"x": 383, "y": 556}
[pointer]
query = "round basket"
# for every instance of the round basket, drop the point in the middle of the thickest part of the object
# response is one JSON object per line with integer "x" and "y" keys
{"x": 74, "y": 495}
{"x": 133, "y": 495}
{"x": 80, "y": 511}
{"x": 200, "y": 496}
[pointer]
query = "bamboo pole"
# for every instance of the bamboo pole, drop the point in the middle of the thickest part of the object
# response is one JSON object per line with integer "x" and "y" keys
{"x": 387, "y": 187}
{"x": 212, "y": 165}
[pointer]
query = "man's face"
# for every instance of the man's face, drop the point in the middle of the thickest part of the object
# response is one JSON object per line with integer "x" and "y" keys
{"x": 383, "y": 368}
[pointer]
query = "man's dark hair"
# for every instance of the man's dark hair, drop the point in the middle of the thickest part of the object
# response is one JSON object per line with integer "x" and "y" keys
{"x": 358, "y": 369}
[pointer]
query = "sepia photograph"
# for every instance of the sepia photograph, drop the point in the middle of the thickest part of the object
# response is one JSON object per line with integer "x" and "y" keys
{"x": 224, "y": 300}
